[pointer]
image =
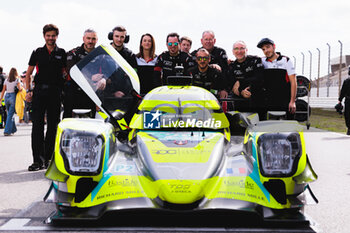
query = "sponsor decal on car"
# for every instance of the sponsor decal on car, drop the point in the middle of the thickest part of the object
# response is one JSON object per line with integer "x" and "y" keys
{"x": 157, "y": 120}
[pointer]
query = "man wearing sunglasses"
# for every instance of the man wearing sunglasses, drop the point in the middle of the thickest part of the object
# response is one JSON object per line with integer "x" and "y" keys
{"x": 168, "y": 60}
{"x": 207, "y": 77}
{"x": 245, "y": 80}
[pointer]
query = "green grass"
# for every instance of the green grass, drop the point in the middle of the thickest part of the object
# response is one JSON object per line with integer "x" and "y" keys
{"x": 327, "y": 119}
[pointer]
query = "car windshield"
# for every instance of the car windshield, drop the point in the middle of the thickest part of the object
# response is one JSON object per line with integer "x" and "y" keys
{"x": 104, "y": 76}
{"x": 190, "y": 115}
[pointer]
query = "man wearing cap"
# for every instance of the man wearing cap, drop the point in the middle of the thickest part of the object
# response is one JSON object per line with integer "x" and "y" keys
{"x": 279, "y": 79}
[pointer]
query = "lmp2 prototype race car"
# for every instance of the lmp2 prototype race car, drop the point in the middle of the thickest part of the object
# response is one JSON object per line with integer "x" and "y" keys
{"x": 172, "y": 151}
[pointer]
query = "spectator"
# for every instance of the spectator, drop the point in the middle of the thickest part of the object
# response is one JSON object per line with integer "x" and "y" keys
{"x": 2, "y": 78}
{"x": 185, "y": 44}
{"x": 20, "y": 101}
{"x": 3, "y": 114}
{"x": 218, "y": 56}
{"x": 50, "y": 61}
{"x": 119, "y": 38}
{"x": 245, "y": 77}
{"x": 345, "y": 93}
{"x": 146, "y": 60}
{"x": 74, "y": 96}
{"x": 168, "y": 60}
{"x": 206, "y": 76}
{"x": 279, "y": 79}
{"x": 10, "y": 100}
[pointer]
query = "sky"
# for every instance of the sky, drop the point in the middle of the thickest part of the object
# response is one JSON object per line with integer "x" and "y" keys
{"x": 298, "y": 26}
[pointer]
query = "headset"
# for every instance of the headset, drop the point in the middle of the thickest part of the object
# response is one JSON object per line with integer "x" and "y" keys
{"x": 110, "y": 35}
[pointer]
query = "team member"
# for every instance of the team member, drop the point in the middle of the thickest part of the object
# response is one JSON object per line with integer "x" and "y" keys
{"x": 185, "y": 44}
{"x": 246, "y": 77}
{"x": 74, "y": 96}
{"x": 206, "y": 76}
{"x": 218, "y": 55}
{"x": 345, "y": 93}
{"x": 50, "y": 62}
{"x": 168, "y": 60}
{"x": 119, "y": 37}
{"x": 146, "y": 61}
{"x": 279, "y": 79}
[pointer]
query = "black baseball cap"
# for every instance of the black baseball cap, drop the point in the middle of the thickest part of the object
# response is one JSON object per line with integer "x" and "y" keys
{"x": 264, "y": 41}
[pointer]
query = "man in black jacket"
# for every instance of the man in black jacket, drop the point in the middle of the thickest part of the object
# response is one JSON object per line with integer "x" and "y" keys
{"x": 119, "y": 37}
{"x": 208, "y": 77}
{"x": 345, "y": 93}
{"x": 74, "y": 96}
{"x": 245, "y": 80}
{"x": 168, "y": 60}
{"x": 218, "y": 56}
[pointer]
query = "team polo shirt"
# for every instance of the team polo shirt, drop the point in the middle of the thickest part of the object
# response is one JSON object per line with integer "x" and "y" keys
{"x": 282, "y": 62}
{"x": 276, "y": 81}
{"x": 49, "y": 66}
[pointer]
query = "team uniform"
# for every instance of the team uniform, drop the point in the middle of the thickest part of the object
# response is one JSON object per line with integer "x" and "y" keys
{"x": 145, "y": 71}
{"x": 49, "y": 80}
{"x": 345, "y": 93}
{"x": 217, "y": 56}
{"x": 248, "y": 73}
{"x": 74, "y": 96}
{"x": 212, "y": 79}
{"x": 166, "y": 64}
{"x": 277, "y": 83}
{"x": 129, "y": 56}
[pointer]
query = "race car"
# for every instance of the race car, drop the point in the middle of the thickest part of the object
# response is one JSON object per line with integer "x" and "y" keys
{"x": 174, "y": 150}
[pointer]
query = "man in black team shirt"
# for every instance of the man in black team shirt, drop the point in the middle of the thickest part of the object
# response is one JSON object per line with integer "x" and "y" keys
{"x": 168, "y": 60}
{"x": 119, "y": 37}
{"x": 207, "y": 77}
{"x": 74, "y": 96}
{"x": 245, "y": 79}
{"x": 218, "y": 56}
{"x": 50, "y": 63}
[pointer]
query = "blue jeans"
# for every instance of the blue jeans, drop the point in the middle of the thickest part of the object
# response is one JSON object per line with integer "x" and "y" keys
{"x": 10, "y": 102}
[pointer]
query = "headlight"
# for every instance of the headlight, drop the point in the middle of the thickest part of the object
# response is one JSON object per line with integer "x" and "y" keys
{"x": 82, "y": 152}
{"x": 279, "y": 153}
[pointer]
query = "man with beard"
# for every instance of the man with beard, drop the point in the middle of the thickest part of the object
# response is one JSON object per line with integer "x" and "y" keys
{"x": 50, "y": 63}
{"x": 119, "y": 37}
{"x": 168, "y": 60}
{"x": 279, "y": 79}
{"x": 74, "y": 96}
{"x": 206, "y": 76}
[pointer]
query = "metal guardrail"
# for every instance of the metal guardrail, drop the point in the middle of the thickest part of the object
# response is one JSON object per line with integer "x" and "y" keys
{"x": 322, "y": 102}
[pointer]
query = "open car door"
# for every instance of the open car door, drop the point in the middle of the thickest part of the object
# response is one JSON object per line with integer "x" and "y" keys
{"x": 107, "y": 79}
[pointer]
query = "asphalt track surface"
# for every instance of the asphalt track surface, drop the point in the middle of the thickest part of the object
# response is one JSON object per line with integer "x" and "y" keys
{"x": 22, "y": 208}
